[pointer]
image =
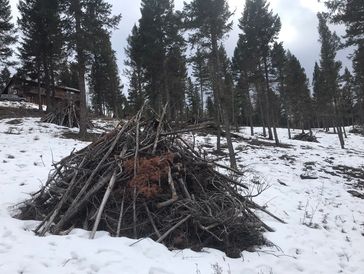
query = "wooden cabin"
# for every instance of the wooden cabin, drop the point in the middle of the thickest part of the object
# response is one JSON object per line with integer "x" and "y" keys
{"x": 32, "y": 92}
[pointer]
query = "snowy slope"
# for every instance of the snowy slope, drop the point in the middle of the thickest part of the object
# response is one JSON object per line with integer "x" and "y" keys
{"x": 324, "y": 231}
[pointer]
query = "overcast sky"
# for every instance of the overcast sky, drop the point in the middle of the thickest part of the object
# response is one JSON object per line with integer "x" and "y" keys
{"x": 299, "y": 27}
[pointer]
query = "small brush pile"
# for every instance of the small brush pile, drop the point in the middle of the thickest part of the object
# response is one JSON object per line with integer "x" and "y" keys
{"x": 306, "y": 137}
{"x": 141, "y": 180}
{"x": 67, "y": 116}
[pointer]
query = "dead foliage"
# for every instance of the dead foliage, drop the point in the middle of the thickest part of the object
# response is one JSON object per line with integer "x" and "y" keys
{"x": 143, "y": 180}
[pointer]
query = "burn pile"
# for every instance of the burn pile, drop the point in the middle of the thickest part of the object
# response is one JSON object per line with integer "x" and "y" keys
{"x": 142, "y": 180}
{"x": 306, "y": 137}
{"x": 67, "y": 116}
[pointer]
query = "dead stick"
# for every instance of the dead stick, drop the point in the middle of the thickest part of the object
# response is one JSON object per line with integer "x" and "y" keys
{"x": 121, "y": 214}
{"x": 165, "y": 235}
{"x": 103, "y": 203}
{"x": 135, "y": 169}
{"x": 152, "y": 221}
{"x": 159, "y": 129}
{"x": 173, "y": 190}
{"x": 184, "y": 188}
{"x": 254, "y": 205}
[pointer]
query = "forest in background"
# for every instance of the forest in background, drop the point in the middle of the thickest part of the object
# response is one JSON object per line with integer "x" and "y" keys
{"x": 176, "y": 62}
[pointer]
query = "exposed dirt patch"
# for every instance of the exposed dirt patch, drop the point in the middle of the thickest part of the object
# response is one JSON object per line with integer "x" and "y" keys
{"x": 90, "y": 137}
{"x": 355, "y": 178}
{"x": 268, "y": 144}
{"x": 6, "y": 112}
{"x": 14, "y": 122}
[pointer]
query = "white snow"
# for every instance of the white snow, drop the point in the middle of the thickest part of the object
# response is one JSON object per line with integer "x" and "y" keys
{"x": 323, "y": 234}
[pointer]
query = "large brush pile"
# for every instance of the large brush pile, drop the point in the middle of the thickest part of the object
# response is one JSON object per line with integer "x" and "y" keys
{"x": 142, "y": 181}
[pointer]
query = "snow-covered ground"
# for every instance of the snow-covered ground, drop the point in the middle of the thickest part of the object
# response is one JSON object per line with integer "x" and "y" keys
{"x": 324, "y": 231}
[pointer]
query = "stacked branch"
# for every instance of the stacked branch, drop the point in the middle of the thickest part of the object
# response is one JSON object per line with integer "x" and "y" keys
{"x": 306, "y": 137}
{"x": 141, "y": 181}
{"x": 67, "y": 116}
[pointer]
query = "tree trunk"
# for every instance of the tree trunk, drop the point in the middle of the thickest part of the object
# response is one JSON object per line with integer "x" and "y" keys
{"x": 202, "y": 100}
{"x": 218, "y": 86}
{"x": 289, "y": 128}
{"x": 270, "y": 110}
{"x": 261, "y": 110}
{"x": 40, "y": 104}
{"x": 81, "y": 69}
{"x": 337, "y": 125}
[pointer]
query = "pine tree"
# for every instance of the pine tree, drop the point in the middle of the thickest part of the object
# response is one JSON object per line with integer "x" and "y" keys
{"x": 297, "y": 92}
{"x": 318, "y": 99}
{"x": 347, "y": 97}
{"x": 329, "y": 73}
{"x": 42, "y": 47}
{"x": 176, "y": 81}
{"x": 85, "y": 20}
{"x": 279, "y": 63}
{"x": 351, "y": 14}
{"x": 7, "y": 33}
{"x": 135, "y": 71}
{"x": 136, "y": 97}
{"x": 244, "y": 67}
{"x": 209, "y": 21}
{"x": 104, "y": 77}
{"x": 358, "y": 65}
{"x": 68, "y": 74}
{"x": 193, "y": 101}
{"x": 260, "y": 28}
{"x": 4, "y": 78}
{"x": 200, "y": 71}
{"x": 161, "y": 40}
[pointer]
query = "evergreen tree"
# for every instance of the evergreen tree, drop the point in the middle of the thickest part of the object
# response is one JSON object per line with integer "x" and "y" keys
{"x": 318, "y": 98}
{"x": 135, "y": 71}
{"x": 200, "y": 71}
{"x": 4, "y": 78}
{"x": 42, "y": 47}
{"x": 104, "y": 78}
{"x": 7, "y": 33}
{"x": 358, "y": 65}
{"x": 260, "y": 28}
{"x": 329, "y": 74}
{"x": 244, "y": 67}
{"x": 176, "y": 81}
{"x": 209, "y": 21}
{"x": 297, "y": 92}
{"x": 85, "y": 21}
{"x": 68, "y": 74}
{"x": 347, "y": 97}
{"x": 279, "y": 64}
{"x": 193, "y": 101}
{"x": 351, "y": 14}
{"x": 136, "y": 95}
{"x": 161, "y": 40}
